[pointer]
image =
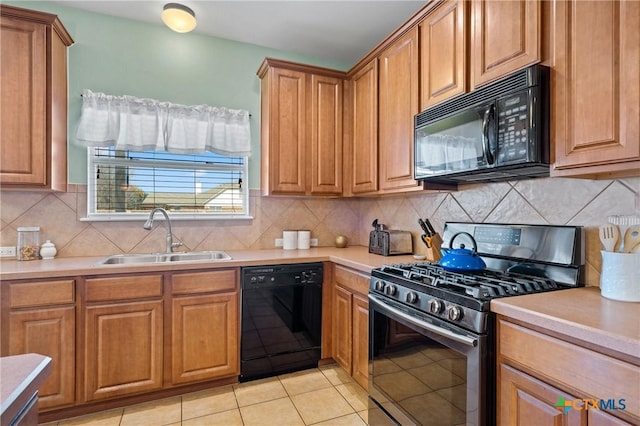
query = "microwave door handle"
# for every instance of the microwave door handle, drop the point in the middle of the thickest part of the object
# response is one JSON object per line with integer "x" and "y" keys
{"x": 487, "y": 121}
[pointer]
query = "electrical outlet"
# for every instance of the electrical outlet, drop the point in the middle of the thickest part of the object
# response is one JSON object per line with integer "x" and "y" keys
{"x": 7, "y": 252}
{"x": 313, "y": 242}
{"x": 278, "y": 242}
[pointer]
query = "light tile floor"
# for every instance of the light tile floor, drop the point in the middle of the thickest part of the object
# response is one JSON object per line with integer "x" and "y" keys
{"x": 319, "y": 396}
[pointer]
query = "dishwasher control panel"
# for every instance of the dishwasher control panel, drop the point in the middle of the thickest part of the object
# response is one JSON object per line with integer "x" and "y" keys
{"x": 276, "y": 275}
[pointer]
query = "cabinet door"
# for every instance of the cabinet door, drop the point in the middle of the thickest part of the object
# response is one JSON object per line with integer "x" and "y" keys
{"x": 326, "y": 135}
{"x": 285, "y": 160}
{"x": 524, "y": 401}
{"x": 505, "y": 37}
{"x": 602, "y": 418}
{"x": 398, "y": 104}
{"x": 342, "y": 327}
{"x": 50, "y": 332}
{"x": 443, "y": 53}
{"x": 361, "y": 340}
{"x": 363, "y": 148}
{"x": 204, "y": 337}
{"x": 23, "y": 127}
{"x": 123, "y": 345}
{"x": 596, "y": 88}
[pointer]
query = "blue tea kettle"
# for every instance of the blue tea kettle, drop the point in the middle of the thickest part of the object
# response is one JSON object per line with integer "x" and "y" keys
{"x": 462, "y": 259}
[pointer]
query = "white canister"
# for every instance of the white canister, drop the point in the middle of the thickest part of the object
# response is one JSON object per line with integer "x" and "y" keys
{"x": 48, "y": 250}
{"x": 289, "y": 240}
{"x": 619, "y": 276}
{"x": 304, "y": 240}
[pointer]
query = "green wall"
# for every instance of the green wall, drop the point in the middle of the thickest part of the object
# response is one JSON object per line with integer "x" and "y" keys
{"x": 120, "y": 56}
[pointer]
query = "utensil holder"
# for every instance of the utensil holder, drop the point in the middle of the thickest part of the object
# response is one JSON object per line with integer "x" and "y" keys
{"x": 619, "y": 276}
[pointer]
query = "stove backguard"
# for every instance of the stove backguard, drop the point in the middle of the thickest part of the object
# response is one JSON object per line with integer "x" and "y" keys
{"x": 556, "y": 252}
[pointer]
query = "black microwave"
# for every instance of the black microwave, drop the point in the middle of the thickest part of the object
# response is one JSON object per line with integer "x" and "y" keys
{"x": 495, "y": 133}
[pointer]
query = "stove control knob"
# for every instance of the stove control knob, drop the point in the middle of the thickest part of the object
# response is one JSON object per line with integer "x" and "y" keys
{"x": 390, "y": 290}
{"x": 379, "y": 285}
{"x": 412, "y": 297}
{"x": 454, "y": 313}
{"x": 435, "y": 306}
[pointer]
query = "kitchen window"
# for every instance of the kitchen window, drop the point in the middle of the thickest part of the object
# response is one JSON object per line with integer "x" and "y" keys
{"x": 126, "y": 185}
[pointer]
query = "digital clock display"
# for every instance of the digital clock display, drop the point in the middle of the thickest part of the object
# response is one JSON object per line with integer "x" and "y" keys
{"x": 499, "y": 235}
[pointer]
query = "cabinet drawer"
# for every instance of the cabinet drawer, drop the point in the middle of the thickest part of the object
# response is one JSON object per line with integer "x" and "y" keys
{"x": 119, "y": 288}
{"x": 30, "y": 294}
{"x": 205, "y": 282}
{"x": 556, "y": 361}
{"x": 358, "y": 283}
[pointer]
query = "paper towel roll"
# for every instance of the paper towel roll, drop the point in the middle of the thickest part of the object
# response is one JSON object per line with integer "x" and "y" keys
{"x": 289, "y": 240}
{"x": 304, "y": 240}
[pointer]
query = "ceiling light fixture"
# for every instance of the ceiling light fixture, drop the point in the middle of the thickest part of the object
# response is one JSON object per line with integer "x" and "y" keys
{"x": 178, "y": 17}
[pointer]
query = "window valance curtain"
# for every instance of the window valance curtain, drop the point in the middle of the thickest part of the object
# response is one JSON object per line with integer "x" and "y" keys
{"x": 137, "y": 124}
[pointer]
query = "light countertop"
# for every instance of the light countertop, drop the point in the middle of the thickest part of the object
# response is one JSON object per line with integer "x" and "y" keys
{"x": 582, "y": 314}
{"x": 356, "y": 257}
{"x": 21, "y": 376}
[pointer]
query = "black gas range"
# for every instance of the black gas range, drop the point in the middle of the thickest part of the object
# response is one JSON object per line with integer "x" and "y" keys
{"x": 441, "y": 320}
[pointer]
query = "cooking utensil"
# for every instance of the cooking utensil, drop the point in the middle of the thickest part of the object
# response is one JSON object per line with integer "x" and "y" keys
{"x": 424, "y": 227}
{"x": 609, "y": 236}
{"x": 631, "y": 238}
{"x": 462, "y": 259}
{"x": 635, "y": 249}
{"x": 432, "y": 231}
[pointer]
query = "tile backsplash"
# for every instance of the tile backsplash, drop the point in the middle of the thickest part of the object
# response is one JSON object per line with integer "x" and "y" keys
{"x": 557, "y": 201}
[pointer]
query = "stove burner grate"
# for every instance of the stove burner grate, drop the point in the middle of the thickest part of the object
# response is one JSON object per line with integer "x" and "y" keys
{"x": 481, "y": 285}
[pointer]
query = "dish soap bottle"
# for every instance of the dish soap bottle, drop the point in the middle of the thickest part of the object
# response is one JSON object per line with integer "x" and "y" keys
{"x": 48, "y": 250}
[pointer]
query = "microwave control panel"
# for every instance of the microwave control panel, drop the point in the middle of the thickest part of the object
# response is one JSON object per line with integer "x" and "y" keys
{"x": 513, "y": 128}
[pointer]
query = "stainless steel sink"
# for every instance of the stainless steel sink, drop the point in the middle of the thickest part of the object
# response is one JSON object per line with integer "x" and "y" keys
{"x": 192, "y": 256}
{"x": 197, "y": 255}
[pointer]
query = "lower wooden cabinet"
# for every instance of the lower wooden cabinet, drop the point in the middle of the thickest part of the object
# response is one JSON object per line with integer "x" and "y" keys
{"x": 123, "y": 349}
{"x": 535, "y": 371}
{"x": 205, "y": 326}
{"x": 524, "y": 399}
{"x": 39, "y": 317}
{"x": 360, "y": 343}
{"x": 123, "y": 335}
{"x": 350, "y": 323}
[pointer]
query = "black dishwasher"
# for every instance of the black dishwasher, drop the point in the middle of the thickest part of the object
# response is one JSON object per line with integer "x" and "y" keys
{"x": 281, "y": 319}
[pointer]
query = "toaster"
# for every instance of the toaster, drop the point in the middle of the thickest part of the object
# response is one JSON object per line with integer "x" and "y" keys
{"x": 388, "y": 243}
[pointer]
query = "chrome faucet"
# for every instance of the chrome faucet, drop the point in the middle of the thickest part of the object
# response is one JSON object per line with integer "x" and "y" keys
{"x": 149, "y": 224}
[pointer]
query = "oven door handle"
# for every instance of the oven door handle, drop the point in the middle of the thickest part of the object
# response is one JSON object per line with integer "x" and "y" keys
{"x": 469, "y": 341}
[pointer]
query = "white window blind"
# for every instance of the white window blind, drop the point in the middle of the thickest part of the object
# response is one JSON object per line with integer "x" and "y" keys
{"x": 128, "y": 184}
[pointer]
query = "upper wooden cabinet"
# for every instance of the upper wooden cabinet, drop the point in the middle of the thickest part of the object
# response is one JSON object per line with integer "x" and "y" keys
{"x": 361, "y": 140}
{"x": 443, "y": 53}
{"x": 398, "y": 103}
{"x": 505, "y": 37}
{"x": 33, "y": 100}
{"x": 301, "y": 134}
{"x": 596, "y": 88}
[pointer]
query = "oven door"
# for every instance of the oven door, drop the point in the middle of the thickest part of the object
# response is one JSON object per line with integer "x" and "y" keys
{"x": 424, "y": 371}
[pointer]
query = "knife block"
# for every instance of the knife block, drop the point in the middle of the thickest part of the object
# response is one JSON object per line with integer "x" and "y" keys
{"x": 433, "y": 254}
